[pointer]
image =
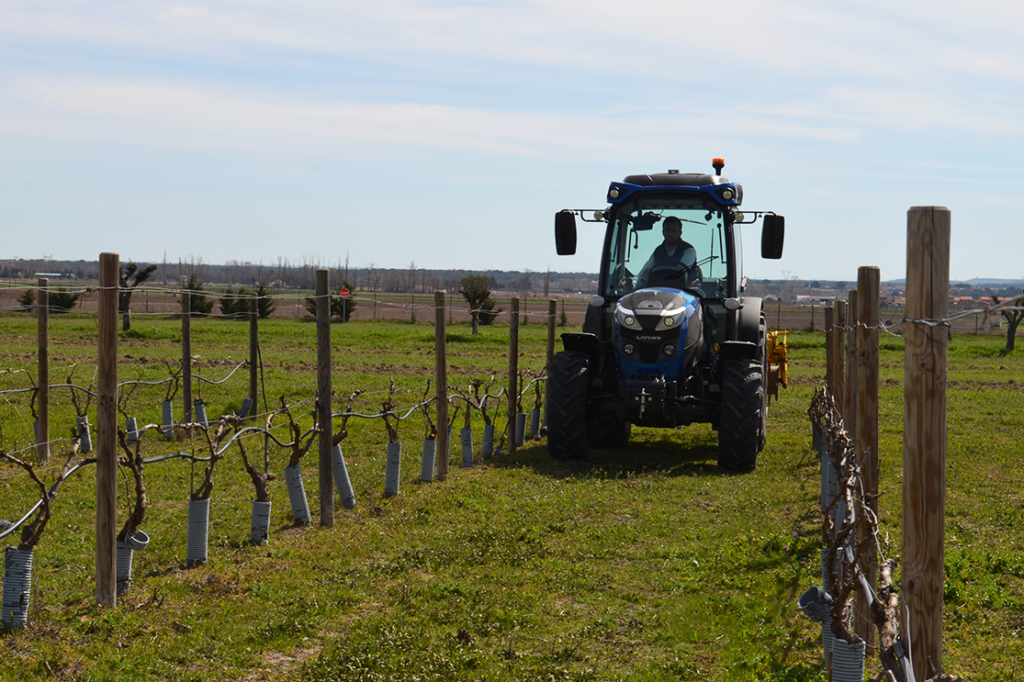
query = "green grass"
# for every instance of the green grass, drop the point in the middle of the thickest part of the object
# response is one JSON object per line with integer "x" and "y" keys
{"x": 646, "y": 563}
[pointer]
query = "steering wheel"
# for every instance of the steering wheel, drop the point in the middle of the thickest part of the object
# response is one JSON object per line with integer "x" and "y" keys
{"x": 675, "y": 275}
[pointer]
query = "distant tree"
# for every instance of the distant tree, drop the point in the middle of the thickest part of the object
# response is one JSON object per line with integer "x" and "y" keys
{"x": 264, "y": 304}
{"x": 131, "y": 276}
{"x": 235, "y": 304}
{"x": 487, "y": 312}
{"x": 522, "y": 284}
{"x": 198, "y": 304}
{"x": 58, "y": 300}
{"x": 27, "y": 300}
{"x": 1013, "y": 319}
{"x": 62, "y": 301}
{"x": 339, "y": 307}
{"x": 476, "y": 289}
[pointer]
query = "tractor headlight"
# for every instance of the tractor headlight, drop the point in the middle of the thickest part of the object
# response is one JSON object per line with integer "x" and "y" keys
{"x": 628, "y": 320}
{"x": 670, "y": 321}
{"x": 669, "y": 349}
{"x": 628, "y": 348}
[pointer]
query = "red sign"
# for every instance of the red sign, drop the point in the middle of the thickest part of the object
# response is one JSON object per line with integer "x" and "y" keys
{"x": 344, "y": 293}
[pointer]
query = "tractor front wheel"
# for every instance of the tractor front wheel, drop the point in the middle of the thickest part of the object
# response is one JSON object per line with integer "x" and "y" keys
{"x": 743, "y": 403}
{"x": 567, "y": 405}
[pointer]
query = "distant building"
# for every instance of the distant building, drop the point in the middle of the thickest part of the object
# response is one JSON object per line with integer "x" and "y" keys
{"x": 962, "y": 301}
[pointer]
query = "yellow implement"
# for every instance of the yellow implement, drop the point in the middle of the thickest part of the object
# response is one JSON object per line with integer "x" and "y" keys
{"x": 777, "y": 359}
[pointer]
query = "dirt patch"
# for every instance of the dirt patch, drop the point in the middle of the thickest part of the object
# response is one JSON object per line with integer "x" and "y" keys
{"x": 275, "y": 665}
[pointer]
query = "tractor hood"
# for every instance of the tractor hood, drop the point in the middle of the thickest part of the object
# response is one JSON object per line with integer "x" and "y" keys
{"x": 659, "y": 302}
{"x": 657, "y": 331}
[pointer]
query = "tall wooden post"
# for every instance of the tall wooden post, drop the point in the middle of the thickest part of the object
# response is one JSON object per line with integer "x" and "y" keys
{"x": 839, "y": 374}
{"x": 867, "y": 437}
{"x": 441, "y": 379}
{"x": 850, "y": 416}
{"x": 830, "y": 351}
{"x": 106, "y": 433}
{"x": 254, "y": 352}
{"x": 513, "y": 372}
{"x": 323, "y": 394}
{"x": 552, "y": 307}
{"x": 43, "y": 392}
{"x": 924, "y": 438}
{"x": 186, "y": 355}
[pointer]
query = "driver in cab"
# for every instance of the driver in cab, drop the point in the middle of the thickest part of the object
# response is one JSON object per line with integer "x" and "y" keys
{"x": 671, "y": 255}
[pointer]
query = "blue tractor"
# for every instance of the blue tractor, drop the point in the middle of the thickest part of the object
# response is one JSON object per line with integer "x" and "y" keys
{"x": 670, "y": 339}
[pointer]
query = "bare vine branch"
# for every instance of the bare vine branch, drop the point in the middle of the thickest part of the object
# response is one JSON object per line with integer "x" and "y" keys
{"x": 133, "y": 463}
{"x": 32, "y": 532}
{"x": 224, "y": 428}
{"x": 259, "y": 480}
{"x": 342, "y": 434}
{"x": 298, "y": 450}
{"x": 387, "y": 412}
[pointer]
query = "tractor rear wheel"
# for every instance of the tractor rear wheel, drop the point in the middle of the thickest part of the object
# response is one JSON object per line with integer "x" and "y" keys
{"x": 567, "y": 405}
{"x": 740, "y": 430}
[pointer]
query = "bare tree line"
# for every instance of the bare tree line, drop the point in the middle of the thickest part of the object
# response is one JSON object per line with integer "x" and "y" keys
{"x": 289, "y": 273}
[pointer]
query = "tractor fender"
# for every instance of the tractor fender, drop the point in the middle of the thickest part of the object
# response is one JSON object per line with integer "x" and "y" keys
{"x": 584, "y": 343}
{"x": 750, "y": 320}
{"x": 737, "y": 350}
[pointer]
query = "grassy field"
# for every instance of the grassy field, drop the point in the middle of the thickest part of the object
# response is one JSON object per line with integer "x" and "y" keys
{"x": 646, "y": 563}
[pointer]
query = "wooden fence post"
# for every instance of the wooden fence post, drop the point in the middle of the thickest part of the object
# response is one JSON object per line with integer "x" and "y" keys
{"x": 830, "y": 351}
{"x": 441, "y": 379}
{"x": 513, "y": 372}
{"x": 106, "y": 433}
{"x": 186, "y": 355}
{"x": 924, "y": 440}
{"x": 43, "y": 393}
{"x": 552, "y": 308}
{"x": 323, "y": 394}
{"x": 850, "y": 417}
{"x": 839, "y": 374}
{"x": 868, "y": 278}
{"x": 254, "y": 350}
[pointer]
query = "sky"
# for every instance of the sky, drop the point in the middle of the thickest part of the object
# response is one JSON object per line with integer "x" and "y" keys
{"x": 448, "y": 133}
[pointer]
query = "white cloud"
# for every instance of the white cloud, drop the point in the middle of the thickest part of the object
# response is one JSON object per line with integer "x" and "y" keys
{"x": 177, "y": 116}
{"x": 797, "y": 37}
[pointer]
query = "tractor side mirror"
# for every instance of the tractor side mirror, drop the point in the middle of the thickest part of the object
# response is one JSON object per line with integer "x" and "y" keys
{"x": 773, "y": 233}
{"x": 565, "y": 233}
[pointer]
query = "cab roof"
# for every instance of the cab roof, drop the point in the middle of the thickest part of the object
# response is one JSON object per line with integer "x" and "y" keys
{"x": 675, "y": 179}
{"x": 724, "y": 192}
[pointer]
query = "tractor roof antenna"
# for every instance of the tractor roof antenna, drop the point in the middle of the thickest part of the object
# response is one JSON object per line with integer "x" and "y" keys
{"x": 718, "y": 165}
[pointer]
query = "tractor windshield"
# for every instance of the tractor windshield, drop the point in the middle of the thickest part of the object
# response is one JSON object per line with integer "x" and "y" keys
{"x": 669, "y": 242}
